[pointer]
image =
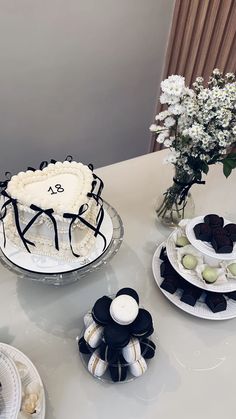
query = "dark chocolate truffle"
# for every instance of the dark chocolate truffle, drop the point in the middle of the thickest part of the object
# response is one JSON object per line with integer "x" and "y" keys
{"x": 101, "y": 311}
{"x": 129, "y": 291}
{"x": 166, "y": 269}
{"x": 142, "y": 325}
{"x": 116, "y": 336}
{"x": 214, "y": 220}
{"x": 216, "y": 302}
{"x": 231, "y": 231}
{"x": 163, "y": 254}
{"x": 148, "y": 348}
{"x": 202, "y": 232}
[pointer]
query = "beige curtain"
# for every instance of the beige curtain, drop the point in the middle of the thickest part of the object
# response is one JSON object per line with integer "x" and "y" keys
{"x": 202, "y": 37}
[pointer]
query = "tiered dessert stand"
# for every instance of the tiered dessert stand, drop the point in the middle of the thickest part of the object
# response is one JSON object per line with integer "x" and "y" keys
{"x": 200, "y": 309}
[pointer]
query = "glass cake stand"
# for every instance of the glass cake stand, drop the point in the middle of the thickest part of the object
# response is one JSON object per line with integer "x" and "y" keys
{"x": 73, "y": 276}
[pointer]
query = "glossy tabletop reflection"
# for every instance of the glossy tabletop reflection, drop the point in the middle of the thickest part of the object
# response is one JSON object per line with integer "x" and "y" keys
{"x": 193, "y": 373}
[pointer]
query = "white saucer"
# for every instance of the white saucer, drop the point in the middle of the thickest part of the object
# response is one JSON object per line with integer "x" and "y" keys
{"x": 52, "y": 265}
{"x": 10, "y": 392}
{"x": 206, "y": 247}
{"x": 200, "y": 309}
{"x": 32, "y": 374}
{"x": 192, "y": 277}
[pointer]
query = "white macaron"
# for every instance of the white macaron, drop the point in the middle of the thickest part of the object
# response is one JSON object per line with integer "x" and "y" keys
{"x": 93, "y": 335}
{"x": 96, "y": 365}
{"x": 138, "y": 368}
{"x": 88, "y": 319}
{"x": 132, "y": 351}
{"x": 124, "y": 309}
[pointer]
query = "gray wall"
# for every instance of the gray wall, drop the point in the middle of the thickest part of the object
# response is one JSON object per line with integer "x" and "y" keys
{"x": 79, "y": 77}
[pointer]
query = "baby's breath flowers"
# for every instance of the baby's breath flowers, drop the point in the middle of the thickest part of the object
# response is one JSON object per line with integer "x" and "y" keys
{"x": 199, "y": 128}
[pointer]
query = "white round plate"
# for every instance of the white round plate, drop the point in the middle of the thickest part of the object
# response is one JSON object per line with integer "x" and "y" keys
{"x": 31, "y": 376}
{"x": 206, "y": 247}
{"x": 200, "y": 309}
{"x": 10, "y": 392}
{"x": 228, "y": 286}
{"x": 52, "y": 265}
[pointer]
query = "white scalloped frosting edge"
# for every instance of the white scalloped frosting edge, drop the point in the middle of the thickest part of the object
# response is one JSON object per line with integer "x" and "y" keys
{"x": 18, "y": 182}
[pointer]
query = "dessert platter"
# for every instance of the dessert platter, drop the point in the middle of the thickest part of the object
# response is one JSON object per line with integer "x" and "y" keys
{"x": 55, "y": 226}
{"x": 22, "y": 392}
{"x": 202, "y": 285}
{"x": 116, "y": 344}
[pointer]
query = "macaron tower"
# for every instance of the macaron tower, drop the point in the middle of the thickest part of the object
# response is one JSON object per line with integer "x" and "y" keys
{"x": 116, "y": 340}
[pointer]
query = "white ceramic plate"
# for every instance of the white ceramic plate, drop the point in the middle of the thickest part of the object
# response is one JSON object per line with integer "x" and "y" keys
{"x": 31, "y": 376}
{"x": 46, "y": 264}
{"x": 200, "y": 309}
{"x": 206, "y": 247}
{"x": 228, "y": 286}
{"x": 10, "y": 392}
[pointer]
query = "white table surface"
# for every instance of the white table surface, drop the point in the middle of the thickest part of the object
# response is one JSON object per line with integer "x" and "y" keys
{"x": 194, "y": 372}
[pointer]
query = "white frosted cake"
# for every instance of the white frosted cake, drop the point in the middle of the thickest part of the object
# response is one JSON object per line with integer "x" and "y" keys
{"x": 55, "y": 211}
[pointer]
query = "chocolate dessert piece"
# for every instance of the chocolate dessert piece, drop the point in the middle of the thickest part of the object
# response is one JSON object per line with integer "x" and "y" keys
{"x": 222, "y": 244}
{"x": 101, "y": 311}
{"x": 216, "y": 302}
{"x": 166, "y": 269}
{"x": 191, "y": 294}
{"x": 84, "y": 348}
{"x": 163, "y": 254}
{"x": 214, "y": 220}
{"x": 148, "y": 348}
{"x": 231, "y": 231}
{"x": 116, "y": 336}
{"x": 203, "y": 232}
{"x": 170, "y": 284}
{"x": 129, "y": 291}
{"x": 119, "y": 370}
{"x": 219, "y": 231}
{"x": 231, "y": 295}
{"x": 142, "y": 326}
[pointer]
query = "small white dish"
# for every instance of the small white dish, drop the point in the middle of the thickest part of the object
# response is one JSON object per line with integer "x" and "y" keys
{"x": 10, "y": 391}
{"x": 32, "y": 376}
{"x": 206, "y": 247}
{"x": 200, "y": 309}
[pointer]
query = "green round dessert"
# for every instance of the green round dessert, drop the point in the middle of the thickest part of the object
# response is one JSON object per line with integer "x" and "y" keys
{"x": 182, "y": 241}
{"x": 209, "y": 274}
{"x": 232, "y": 268}
{"x": 189, "y": 262}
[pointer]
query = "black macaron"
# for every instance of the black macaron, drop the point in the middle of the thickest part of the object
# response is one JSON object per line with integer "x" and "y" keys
{"x": 148, "y": 348}
{"x": 108, "y": 354}
{"x": 116, "y": 336}
{"x": 119, "y": 370}
{"x": 129, "y": 291}
{"x": 142, "y": 326}
{"x": 101, "y": 311}
{"x": 84, "y": 348}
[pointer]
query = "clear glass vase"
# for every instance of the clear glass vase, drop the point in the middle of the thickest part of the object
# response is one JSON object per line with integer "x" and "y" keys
{"x": 177, "y": 212}
{"x": 177, "y": 202}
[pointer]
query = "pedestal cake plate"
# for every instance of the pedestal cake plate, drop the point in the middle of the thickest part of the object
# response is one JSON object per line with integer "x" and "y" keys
{"x": 53, "y": 271}
{"x": 223, "y": 285}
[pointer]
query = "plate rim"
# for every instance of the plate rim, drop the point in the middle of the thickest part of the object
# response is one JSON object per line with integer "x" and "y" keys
{"x": 7, "y": 348}
{"x": 185, "y": 307}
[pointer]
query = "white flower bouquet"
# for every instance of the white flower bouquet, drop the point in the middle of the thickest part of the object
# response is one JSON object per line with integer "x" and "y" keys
{"x": 199, "y": 128}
